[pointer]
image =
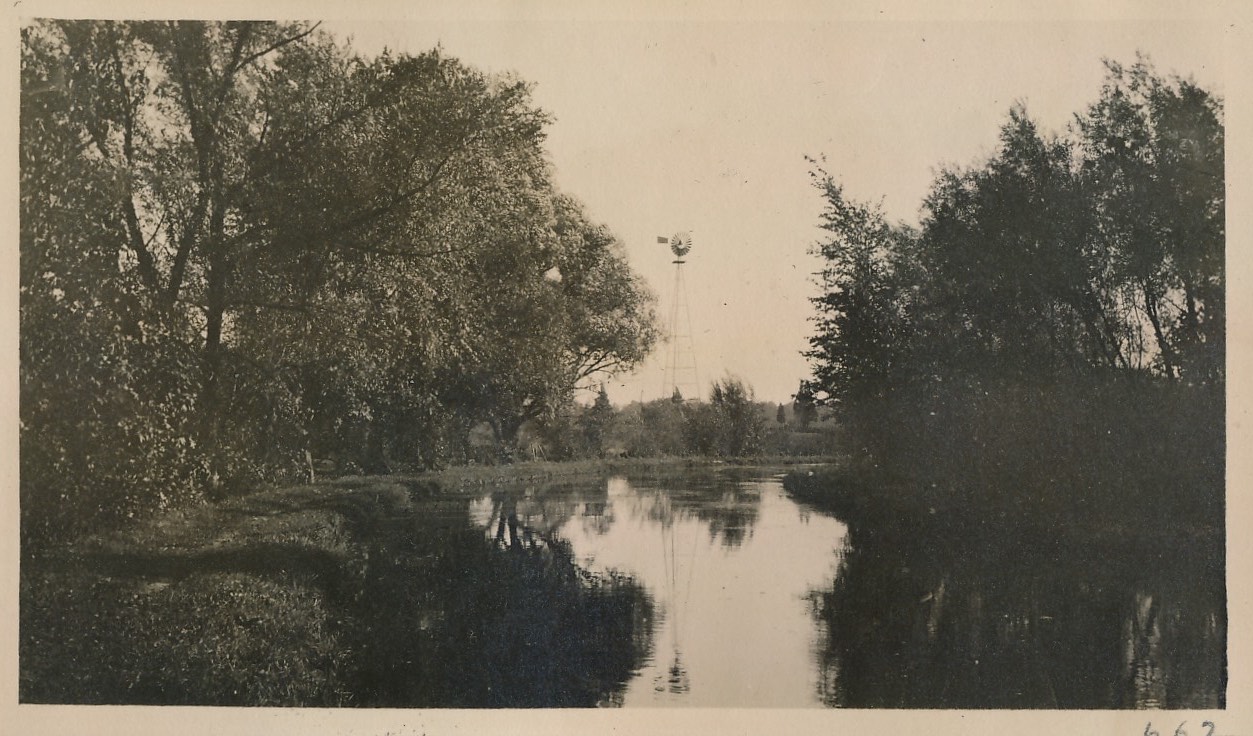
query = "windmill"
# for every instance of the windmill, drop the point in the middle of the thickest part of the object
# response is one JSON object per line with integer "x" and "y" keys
{"x": 680, "y": 374}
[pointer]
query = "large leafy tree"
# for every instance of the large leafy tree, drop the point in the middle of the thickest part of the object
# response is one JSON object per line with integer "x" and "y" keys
{"x": 176, "y": 114}
{"x": 387, "y": 294}
{"x": 572, "y": 312}
{"x": 107, "y": 392}
{"x": 1018, "y": 263}
{"x": 261, "y": 244}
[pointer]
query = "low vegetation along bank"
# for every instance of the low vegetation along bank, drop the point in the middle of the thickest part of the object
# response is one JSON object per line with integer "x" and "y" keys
{"x": 1111, "y": 460}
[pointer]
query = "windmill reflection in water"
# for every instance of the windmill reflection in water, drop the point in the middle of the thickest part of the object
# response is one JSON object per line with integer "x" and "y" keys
{"x": 678, "y": 592}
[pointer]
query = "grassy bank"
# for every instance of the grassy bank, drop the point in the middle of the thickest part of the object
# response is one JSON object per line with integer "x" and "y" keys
{"x": 466, "y": 478}
{"x": 331, "y": 594}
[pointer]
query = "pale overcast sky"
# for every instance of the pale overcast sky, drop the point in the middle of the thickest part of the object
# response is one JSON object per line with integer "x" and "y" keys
{"x": 704, "y": 126}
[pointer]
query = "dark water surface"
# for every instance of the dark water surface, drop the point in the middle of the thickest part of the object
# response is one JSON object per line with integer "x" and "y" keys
{"x": 717, "y": 589}
{"x": 1023, "y": 623}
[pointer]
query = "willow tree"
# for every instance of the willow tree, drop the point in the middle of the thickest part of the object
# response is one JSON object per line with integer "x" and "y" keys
{"x": 570, "y": 312}
{"x": 261, "y": 244}
{"x": 1153, "y": 156}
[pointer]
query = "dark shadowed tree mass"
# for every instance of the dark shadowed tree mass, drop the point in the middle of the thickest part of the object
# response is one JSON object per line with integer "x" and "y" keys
{"x": 1062, "y": 272}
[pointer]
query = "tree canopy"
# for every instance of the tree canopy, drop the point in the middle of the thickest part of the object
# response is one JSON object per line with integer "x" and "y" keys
{"x": 1060, "y": 256}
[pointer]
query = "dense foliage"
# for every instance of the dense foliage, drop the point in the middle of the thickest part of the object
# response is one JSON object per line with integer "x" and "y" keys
{"x": 243, "y": 246}
{"x": 1063, "y": 294}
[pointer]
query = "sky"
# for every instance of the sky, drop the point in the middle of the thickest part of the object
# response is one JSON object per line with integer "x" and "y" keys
{"x": 705, "y": 125}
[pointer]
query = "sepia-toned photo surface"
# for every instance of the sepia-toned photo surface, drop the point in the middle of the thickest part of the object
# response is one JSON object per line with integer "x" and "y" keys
{"x": 537, "y": 368}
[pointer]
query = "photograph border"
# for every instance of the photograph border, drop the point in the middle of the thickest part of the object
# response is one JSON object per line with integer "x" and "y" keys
{"x": 1233, "y": 22}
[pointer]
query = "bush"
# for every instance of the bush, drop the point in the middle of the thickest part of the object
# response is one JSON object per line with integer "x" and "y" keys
{"x": 213, "y": 638}
{"x": 107, "y": 422}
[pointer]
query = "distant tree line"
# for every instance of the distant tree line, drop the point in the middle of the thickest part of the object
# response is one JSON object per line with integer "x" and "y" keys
{"x": 243, "y": 246}
{"x": 1062, "y": 300}
{"x": 729, "y": 423}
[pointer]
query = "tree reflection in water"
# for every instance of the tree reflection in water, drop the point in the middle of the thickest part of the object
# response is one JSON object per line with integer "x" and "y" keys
{"x": 913, "y": 622}
{"x": 727, "y": 503}
{"x": 460, "y": 620}
{"x": 532, "y": 629}
{"x": 729, "y": 508}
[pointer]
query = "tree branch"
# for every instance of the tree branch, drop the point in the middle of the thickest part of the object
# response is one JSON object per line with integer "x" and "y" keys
{"x": 258, "y": 171}
{"x": 274, "y": 47}
{"x": 128, "y": 119}
{"x": 194, "y": 118}
{"x": 185, "y": 244}
{"x": 299, "y": 308}
{"x": 373, "y": 213}
{"x": 147, "y": 266}
{"x": 406, "y": 253}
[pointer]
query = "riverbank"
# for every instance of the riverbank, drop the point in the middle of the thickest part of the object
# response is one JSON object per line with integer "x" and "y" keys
{"x": 874, "y": 503}
{"x": 329, "y": 594}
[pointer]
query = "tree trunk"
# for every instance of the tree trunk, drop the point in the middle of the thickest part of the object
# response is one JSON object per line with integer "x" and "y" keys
{"x": 216, "y": 276}
{"x": 373, "y": 453}
{"x": 506, "y": 434}
{"x": 1150, "y": 308}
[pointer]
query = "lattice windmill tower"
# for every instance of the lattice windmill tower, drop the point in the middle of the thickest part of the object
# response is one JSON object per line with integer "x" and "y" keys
{"x": 680, "y": 372}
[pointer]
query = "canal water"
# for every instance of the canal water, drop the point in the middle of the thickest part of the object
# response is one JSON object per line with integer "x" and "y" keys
{"x": 730, "y": 566}
{"x": 716, "y": 589}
